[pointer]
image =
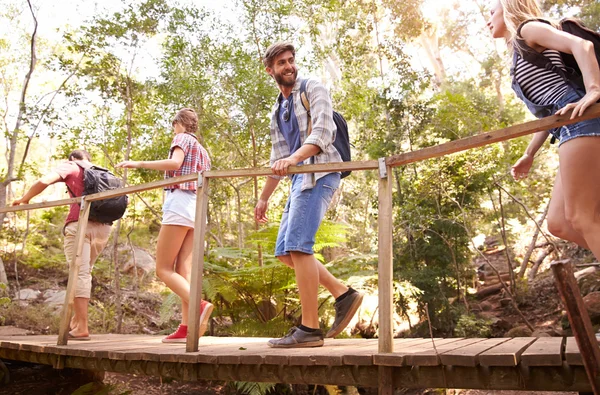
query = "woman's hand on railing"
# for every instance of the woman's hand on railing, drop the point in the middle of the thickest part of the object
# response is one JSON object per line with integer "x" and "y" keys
{"x": 129, "y": 164}
{"x": 20, "y": 201}
{"x": 521, "y": 168}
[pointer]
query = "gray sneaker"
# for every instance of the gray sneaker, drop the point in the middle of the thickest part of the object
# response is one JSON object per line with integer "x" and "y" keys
{"x": 344, "y": 311}
{"x": 297, "y": 338}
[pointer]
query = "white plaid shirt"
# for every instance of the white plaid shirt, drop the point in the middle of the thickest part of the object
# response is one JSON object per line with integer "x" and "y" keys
{"x": 322, "y": 134}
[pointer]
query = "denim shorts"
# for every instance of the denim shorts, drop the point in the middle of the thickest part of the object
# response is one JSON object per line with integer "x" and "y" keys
{"x": 565, "y": 133}
{"x": 303, "y": 214}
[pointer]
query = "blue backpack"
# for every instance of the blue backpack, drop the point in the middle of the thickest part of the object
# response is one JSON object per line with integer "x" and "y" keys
{"x": 342, "y": 139}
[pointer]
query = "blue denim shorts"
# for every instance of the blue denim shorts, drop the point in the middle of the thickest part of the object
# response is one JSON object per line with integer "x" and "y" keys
{"x": 303, "y": 214}
{"x": 584, "y": 128}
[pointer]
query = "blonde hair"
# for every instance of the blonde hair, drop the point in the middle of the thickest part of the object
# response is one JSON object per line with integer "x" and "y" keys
{"x": 187, "y": 118}
{"x": 515, "y": 13}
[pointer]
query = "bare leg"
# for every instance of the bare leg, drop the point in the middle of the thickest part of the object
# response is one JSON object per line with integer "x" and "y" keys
{"x": 307, "y": 278}
{"x": 170, "y": 241}
{"x": 183, "y": 267}
{"x": 580, "y": 170}
{"x": 80, "y": 317}
{"x": 326, "y": 279}
{"x": 557, "y": 222}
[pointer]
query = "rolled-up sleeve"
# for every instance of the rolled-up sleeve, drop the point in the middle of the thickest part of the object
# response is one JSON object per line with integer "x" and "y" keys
{"x": 321, "y": 111}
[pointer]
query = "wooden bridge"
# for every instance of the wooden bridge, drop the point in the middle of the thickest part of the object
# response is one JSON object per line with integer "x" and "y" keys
{"x": 388, "y": 363}
{"x": 523, "y": 363}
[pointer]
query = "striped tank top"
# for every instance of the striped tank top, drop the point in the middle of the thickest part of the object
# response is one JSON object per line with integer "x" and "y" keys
{"x": 541, "y": 86}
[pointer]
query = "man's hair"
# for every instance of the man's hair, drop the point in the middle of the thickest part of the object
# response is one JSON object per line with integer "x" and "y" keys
{"x": 187, "y": 118}
{"x": 80, "y": 154}
{"x": 275, "y": 50}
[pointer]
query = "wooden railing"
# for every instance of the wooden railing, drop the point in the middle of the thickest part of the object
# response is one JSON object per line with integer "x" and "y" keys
{"x": 385, "y": 222}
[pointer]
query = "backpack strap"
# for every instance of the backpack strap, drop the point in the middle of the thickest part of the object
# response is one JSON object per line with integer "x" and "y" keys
{"x": 532, "y": 56}
{"x": 305, "y": 103}
{"x": 84, "y": 165}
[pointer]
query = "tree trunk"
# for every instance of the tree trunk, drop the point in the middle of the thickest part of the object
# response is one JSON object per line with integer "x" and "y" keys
{"x": 5, "y": 183}
{"x": 532, "y": 244}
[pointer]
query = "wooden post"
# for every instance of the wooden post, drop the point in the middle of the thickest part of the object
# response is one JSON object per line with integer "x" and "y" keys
{"x": 385, "y": 224}
{"x": 197, "y": 265}
{"x": 385, "y": 275}
{"x": 65, "y": 318}
{"x": 579, "y": 320}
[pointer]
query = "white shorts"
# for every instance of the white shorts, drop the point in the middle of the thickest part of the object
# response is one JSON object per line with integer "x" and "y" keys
{"x": 179, "y": 208}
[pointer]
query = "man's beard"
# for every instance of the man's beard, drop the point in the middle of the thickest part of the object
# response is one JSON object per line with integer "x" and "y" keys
{"x": 280, "y": 79}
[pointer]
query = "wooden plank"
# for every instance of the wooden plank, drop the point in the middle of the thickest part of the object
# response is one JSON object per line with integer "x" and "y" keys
{"x": 330, "y": 354}
{"x": 197, "y": 266}
{"x": 545, "y": 351}
{"x": 491, "y": 137}
{"x": 363, "y": 357}
{"x": 506, "y": 354}
{"x": 386, "y": 265}
{"x": 65, "y": 318}
{"x": 572, "y": 354}
{"x": 426, "y": 355}
{"x": 468, "y": 355}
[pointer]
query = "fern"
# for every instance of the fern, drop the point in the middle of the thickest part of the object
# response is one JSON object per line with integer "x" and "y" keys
{"x": 167, "y": 307}
{"x": 248, "y": 388}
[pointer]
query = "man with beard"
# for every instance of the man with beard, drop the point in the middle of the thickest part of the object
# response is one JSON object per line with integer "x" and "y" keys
{"x": 295, "y": 143}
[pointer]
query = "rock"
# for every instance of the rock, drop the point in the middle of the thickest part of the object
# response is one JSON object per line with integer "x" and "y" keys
{"x": 540, "y": 333}
{"x": 12, "y": 331}
{"x": 519, "y": 331}
{"x": 589, "y": 283}
{"x": 53, "y": 297}
{"x": 28, "y": 294}
{"x": 143, "y": 260}
{"x": 505, "y": 302}
{"x": 592, "y": 304}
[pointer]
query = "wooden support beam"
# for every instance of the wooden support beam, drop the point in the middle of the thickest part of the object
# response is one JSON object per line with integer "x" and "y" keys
{"x": 65, "y": 318}
{"x": 579, "y": 320}
{"x": 386, "y": 266}
{"x": 197, "y": 264}
{"x": 386, "y": 380}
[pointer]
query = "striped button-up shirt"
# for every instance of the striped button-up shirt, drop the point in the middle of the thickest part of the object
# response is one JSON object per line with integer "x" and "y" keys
{"x": 322, "y": 134}
{"x": 195, "y": 160}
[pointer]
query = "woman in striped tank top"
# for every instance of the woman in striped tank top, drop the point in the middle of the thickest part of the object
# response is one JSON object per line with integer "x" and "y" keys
{"x": 574, "y": 212}
{"x": 175, "y": 239}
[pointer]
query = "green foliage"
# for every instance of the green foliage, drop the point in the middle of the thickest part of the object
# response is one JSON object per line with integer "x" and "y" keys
{"x": 471, "y": 326}
{"x": 168, "y": 307}
{"x": 34, "y": 317}
{"x": 248, "y": 388}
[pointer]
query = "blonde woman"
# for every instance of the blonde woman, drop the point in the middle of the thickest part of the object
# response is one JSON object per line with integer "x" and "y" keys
{"x": 175, "y": 239}
{"x": 574, "y": 212}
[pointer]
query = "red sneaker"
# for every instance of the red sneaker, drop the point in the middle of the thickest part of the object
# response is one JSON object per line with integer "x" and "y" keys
{"x": 179, "y": 336}
{"x": 206, "y": 309}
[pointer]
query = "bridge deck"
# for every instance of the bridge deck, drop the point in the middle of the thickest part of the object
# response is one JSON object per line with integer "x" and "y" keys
{"x": 500, "y": 363}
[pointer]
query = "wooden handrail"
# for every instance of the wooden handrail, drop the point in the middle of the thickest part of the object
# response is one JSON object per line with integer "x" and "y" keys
{"x": 487, "y": 138}
{"x": 451, "y": 147}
